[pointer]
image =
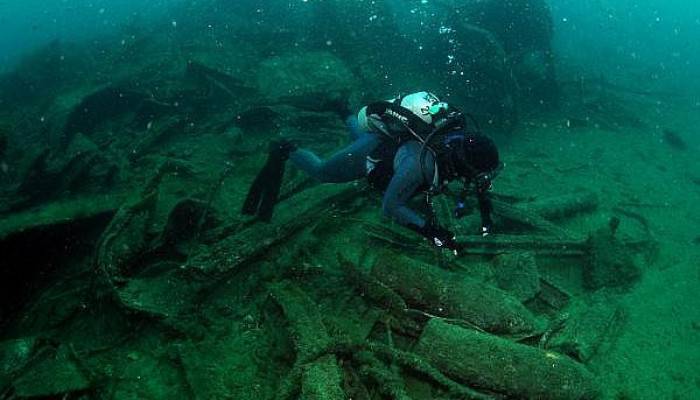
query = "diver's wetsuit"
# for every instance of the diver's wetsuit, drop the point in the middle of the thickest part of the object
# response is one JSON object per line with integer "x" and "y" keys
{"x": 351, "y": 163}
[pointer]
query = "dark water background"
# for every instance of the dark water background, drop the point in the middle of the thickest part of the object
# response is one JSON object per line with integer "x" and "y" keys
{"x": 29, "y": 24}
{"x": 653, "y": 41}
{"x": 656, "y": 41}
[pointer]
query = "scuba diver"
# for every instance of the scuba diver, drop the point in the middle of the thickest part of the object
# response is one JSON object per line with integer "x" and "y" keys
{"x": 404, "y": 146}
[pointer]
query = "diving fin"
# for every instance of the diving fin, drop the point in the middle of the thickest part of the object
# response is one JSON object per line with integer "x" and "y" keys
{"x": 263, "y": 194}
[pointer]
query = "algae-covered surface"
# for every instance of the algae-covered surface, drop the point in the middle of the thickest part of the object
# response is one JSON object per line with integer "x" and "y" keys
{"x": 128, "y": 272}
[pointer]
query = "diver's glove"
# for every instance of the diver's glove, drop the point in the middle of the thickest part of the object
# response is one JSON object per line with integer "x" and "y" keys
{"x": 485, "y": 230}
{"x": 483, "y": 183}
{"x": 438, "y": 236}
{"x": 461, "y": 210}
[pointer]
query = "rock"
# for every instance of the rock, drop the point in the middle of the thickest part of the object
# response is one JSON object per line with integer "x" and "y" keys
{"x": 517, "y": 273}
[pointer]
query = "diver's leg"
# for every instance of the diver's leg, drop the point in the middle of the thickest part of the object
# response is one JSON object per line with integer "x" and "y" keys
{"x": 346, "y": 165}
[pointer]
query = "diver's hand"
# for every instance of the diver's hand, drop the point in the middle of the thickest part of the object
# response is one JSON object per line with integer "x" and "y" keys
{"x": 485, "y": 230}
{"x": 440, "y": 237}
{"x": 461, "y": 210}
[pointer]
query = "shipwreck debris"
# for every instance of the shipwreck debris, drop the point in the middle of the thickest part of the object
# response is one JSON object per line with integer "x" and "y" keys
{"x": 253, "y": 241}
{"x": 610, "y": 262}
{"x": 517, "y": 274}
{"x": 320, "y": 378}
{"x": 447, "y": 294}
{"x": 498, "y": 365}
{"x": 82, "y": 166}
{"x": 565, "y": 206}
{"x": 217, "y": 81}
{"x": 519, "y": 216}
{"x": 538, "y": 244}
{"x": 257, "y": 119}
{"x": 100, "y": 106}
{"x": 57, "y": 375}
{"x": 590, "y": 326}
{"x": 317, "y": 373}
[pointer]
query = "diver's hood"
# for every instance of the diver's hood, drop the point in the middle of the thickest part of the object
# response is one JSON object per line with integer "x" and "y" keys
{"x": 478, "y": 154}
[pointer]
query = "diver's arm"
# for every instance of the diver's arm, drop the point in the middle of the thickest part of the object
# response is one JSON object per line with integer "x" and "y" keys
{"x": 485, "y": 208}
{"x": 461, "y": 204}
{"x": 407, "y": 180}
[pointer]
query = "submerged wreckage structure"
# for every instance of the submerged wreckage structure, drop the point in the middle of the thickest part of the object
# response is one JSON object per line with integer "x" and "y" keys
{"x": 128, "y": 273}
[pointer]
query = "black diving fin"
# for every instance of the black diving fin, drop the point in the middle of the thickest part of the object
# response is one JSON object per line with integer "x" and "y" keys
{"x": 263, "y": 194}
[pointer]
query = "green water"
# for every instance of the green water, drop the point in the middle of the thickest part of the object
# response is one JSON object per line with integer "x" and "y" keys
{"x": 130, "y": 134}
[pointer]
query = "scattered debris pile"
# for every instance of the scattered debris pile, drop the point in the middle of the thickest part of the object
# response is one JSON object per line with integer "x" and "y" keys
{"x": 121, "y": 208}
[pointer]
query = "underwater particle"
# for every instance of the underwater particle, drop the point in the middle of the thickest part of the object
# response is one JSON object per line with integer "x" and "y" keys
{"x": 174, "y": 24}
